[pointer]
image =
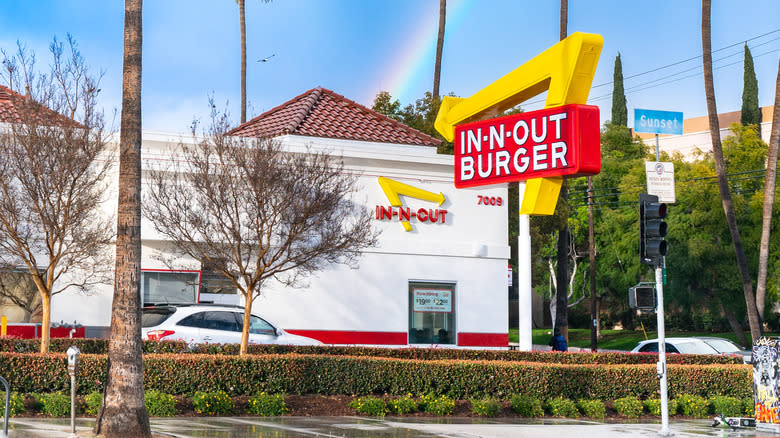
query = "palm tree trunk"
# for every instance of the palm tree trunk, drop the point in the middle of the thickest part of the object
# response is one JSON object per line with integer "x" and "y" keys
{"x": 720, "y": 169}
{"x": 769, "y": 202}
{"x": 561, "y": 316}
{"x": 439, "y": 48}
{"x": 123, "y": 412}
{"x": 242, "y": 21}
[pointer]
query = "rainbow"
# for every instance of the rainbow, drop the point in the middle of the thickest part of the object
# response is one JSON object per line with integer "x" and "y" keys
{"x": 410, "y": 68}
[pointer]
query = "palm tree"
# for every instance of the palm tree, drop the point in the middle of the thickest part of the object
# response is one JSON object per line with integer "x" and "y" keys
{"x": 562, "y": 270}
{"x": 439, "y": 48}
{"x": 769, "y": 202}
{"x": 242, "y": 25}
{"x": 123, "y": 412}
{"x": 720, "y": 170}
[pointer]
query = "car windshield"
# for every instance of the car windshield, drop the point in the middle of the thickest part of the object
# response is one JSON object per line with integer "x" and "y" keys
{"x": 723, "y": 345}
{"x": 693, "y": 347}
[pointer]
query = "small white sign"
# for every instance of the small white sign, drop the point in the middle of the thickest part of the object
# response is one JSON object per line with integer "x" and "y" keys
{"x": 432, "y": 300}
{"x": 660, "y": 180}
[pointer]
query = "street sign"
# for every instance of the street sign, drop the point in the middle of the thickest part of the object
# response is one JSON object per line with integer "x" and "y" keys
{"x": 658, "y": 122}
{"x": 554, "y": 142}
{"x": 660, "y": 180}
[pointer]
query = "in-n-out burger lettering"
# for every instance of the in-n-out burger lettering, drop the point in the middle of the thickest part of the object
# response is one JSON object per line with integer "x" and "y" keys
{"x": 552, "y": 142}
{"x": 433, "y": 215}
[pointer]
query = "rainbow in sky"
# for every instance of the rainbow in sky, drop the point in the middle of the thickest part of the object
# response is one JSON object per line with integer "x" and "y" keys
{"x": 409, "y": 71}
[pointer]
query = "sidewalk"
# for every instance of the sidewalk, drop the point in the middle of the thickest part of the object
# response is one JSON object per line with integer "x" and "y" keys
{"x": 362, "y": 427}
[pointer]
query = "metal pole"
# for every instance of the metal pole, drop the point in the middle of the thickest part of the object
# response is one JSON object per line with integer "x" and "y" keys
{"x": 524, "y": 290}
{"x": 657, "y": 149}
{"x": 592, "y": 269}
{"x": 7, "y": 400}
{"x": 662, "y": 374}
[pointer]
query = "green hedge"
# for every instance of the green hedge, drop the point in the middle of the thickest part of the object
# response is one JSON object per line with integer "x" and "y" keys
{"x": 100, "y": 346}
{"x": 321, "y": 374}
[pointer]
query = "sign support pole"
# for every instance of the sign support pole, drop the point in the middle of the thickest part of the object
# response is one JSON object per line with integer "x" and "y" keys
{"x": 524, "y": 286}
{"x": 662, "y": 374}
{"x": 657, "y": 148}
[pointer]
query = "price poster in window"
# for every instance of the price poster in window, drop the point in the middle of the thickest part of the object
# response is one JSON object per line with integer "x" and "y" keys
{"x": 432, "y": 300}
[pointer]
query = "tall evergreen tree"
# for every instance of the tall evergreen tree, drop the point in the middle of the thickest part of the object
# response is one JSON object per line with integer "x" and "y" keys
{"x": 751, "y": 113}
{"x": 619, "y": 111}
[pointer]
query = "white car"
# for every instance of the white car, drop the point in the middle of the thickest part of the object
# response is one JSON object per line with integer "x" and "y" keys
{"x": 695, "y": 345}
{"x": 212, "y": 324}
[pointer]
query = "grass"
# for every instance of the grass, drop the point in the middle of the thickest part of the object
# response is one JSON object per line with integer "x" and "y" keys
{"x": 611, "y": 339}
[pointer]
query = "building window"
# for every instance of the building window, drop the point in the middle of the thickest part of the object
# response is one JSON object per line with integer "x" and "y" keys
{"x": 431, "y": 313}
{"x": 169, "y": 287}
{"x": 20, "y": 300}
{"x": 212, "y": 282}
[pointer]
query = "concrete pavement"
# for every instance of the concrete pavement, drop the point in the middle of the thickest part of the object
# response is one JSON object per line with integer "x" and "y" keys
{"x": 362, "y": 427}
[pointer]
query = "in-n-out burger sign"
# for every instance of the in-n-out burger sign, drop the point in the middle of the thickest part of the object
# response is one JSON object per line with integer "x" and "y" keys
{"x": 560, "y": 141}
{"x": 396, "y": 211}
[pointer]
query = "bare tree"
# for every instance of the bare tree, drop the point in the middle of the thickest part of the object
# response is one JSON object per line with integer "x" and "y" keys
{"x": 769, "y": 202}
{"x": 53, "y": 167}
{"x": 254, "y": 212}
{"x": 123, "y": 412}
{"x": 720, "y": 170}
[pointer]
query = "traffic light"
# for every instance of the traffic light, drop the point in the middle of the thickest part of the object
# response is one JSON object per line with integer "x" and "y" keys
{"x": 652, "y": 229}
{"x": 642, "y": 297}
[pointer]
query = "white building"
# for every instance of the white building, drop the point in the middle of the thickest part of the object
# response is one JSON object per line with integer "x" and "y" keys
{"x": 440, "y": 279}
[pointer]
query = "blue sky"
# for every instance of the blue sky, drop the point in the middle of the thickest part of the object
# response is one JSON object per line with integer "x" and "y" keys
{"x": 360, "y": 47}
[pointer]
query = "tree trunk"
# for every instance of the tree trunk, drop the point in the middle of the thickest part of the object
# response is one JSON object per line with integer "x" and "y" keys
{"x": 439, "y": 48}
{"x": 592, "y": 269}
{"x": 736, "y": 327}
{"x": 242, "y": 21}
{"x": 564, "y": 19}
{"x": 769, "y": 202}
{"x": 45, "y": 321}
{"x": 720, "y": 169}
{"x": 245, "y": 329}
{"x": 561, "y": 316}
{"x": 123, "y": 412}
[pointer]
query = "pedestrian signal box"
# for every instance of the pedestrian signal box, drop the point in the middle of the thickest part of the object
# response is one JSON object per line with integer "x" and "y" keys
{"x": 642, "y": 297}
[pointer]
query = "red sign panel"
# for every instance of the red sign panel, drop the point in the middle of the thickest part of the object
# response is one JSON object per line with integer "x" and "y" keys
{"x": 561, "y": 141}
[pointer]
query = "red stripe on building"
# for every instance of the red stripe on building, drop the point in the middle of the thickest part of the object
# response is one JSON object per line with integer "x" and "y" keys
{"x": 354, "y": 337}
{"x": 483, "y": 339}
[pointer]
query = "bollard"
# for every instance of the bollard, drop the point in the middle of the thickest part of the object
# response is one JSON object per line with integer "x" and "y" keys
{"x": 3, "y": 326}
{"x": 73, "y": 369}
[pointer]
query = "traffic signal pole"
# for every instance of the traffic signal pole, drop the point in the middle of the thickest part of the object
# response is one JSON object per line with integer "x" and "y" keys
{"x": 662, "y": 375}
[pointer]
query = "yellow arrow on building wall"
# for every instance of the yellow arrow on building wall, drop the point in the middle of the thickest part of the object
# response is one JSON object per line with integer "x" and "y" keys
{"x": 565, "y": 70}
{"x": 394, "y": 189}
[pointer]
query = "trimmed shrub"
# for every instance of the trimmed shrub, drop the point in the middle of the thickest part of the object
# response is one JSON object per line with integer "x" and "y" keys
{"x": 267, "y": 405}
{"x": 592, "y": 408}
{"x": 374, "y": 406}
{"x": 15, "y": 403}
{"x": 527, "y": 406}
{"x": 160, "y": 404}
{"x": 485, "y": 408}
{"x": 212, "y": 403}
{"x": 653, "y": 406}
{"x": 748, "y": 407}
{"x": 726, "y": 406}
{"x": 92, "y": 402}
{"x": 562, "y": 407}
{"x": 631, "y": 407}
{"x": 55, "y": 404}
{"x": 402, "y": 405}
{"x": 693, "y": 405}
{"x": 437, "y": 404}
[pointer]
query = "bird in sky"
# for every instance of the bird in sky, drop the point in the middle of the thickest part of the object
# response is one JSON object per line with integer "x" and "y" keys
{"x": 266, "y": 58}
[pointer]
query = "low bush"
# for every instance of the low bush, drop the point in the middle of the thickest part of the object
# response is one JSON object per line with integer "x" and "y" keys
{"x": 437, "y": 404}
{"x": 485, "y": 408}
{"x": 160, "y": 404}
{"x": 92, "y": 402}
{"x": 748, "y": 407}
{"x": 212, "y": 403}
{"x": 15, "y": 403}
{"x": 374, "y": 406}
{"x": 267, "y": 405}
{"x": 55, "y": 404}
{"x": 693, "y": 405}
{"x": 402, "y": 405}
{"x": 562, "y": 407}
{"x": 726, "y": 406}
{"x": 631, "y": 407}
{"x": 592, "y": 408}
{"x": 527, "y": 406}
{"x": 653, "y": 406}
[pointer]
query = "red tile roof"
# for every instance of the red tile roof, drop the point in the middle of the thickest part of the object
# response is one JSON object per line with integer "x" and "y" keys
{"x": 320, "y": 112}
{"x": 12, "y": 105}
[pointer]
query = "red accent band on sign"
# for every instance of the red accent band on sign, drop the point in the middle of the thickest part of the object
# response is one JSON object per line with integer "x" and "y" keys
{"x": 560, "y": 141}
{"x": 483, "y": 339}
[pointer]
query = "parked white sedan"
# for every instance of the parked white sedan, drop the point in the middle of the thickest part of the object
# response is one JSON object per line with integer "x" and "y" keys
{"x": 212, "y": 324}
{"x": 696, "y": 345}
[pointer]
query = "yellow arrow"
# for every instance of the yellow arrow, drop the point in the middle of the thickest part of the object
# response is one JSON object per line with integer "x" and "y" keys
{"x": 565, "y": 70}
{"x": 393, "y": 189}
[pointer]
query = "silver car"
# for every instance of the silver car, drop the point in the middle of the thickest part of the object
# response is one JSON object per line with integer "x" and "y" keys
{"x": 212, "y": 324}
{"x": 695, "y": 345}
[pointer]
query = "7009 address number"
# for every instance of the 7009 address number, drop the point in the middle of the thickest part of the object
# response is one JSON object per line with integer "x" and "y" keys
{"x": 490, "y": 200}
